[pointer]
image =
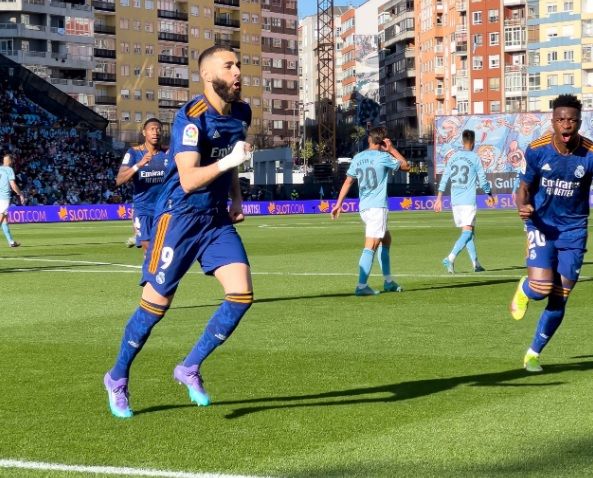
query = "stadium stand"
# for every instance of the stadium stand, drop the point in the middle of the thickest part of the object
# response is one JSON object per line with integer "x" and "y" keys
{"x": 58, "y": 144}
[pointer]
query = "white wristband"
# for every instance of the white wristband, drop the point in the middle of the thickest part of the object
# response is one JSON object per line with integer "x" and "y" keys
{"x": 135, "y": 168}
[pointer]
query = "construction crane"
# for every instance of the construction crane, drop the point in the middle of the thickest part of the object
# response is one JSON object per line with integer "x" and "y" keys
{"x": 326, "y": 92}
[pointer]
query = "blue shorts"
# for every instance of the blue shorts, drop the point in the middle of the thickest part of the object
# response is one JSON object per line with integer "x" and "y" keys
{"x": 561, "y": 255}
{"x": 180, "y": 240}
{"x": 143, "y": 227}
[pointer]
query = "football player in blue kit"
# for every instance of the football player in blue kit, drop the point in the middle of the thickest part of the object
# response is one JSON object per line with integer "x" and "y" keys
{"x": 553, "y": 200}
{"x": 192, "y": 223}
{"x": 144, "y": 165}
{"x": 371, "y": 168}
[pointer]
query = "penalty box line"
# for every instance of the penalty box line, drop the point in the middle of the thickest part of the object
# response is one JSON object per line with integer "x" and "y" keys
{"x": 108, "y": 470}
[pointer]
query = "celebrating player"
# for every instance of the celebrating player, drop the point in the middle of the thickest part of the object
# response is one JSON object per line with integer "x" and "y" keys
{"x": 464, "y": 169}
{"x": 553, "y": 200}
{"x": 8, "y": 183}
{"x": 371, "y": 169}
{"x": 145, "y": 166}
{"x": 192, "y": 223}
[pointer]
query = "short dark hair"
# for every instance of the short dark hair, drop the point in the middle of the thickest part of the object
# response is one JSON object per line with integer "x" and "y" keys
{"x": 152, "y": 120}
{"x": 567, "y": 101}
{"x": 208, "y": 52}
{"x": 378, "y": 134}
{"x": 468, "y": 136}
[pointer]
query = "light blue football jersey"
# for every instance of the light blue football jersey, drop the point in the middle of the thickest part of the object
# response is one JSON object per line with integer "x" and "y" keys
{"x": 6, "y": 175}
{"x": 371, "y": 168}
{"x": 465, "y": 171}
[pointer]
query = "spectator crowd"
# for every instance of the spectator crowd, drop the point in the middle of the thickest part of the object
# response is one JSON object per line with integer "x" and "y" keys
{"x": 56, "y": 163}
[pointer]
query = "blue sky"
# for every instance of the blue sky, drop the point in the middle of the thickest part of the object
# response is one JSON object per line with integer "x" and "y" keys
{"x": 309, "y": 7}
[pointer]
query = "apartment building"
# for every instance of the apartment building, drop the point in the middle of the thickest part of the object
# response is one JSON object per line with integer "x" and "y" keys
{"x": 280, "y": 79}
{"x": 554, "y": 49}
{"x": 52, "y": 38}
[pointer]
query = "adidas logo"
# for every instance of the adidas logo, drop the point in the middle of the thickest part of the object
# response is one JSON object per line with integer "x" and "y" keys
{"x": 216, "y": 134}
{"x": 546, "y": 167}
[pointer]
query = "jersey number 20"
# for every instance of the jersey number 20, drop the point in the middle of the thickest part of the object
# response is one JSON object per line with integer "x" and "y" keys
{"x": 367, "y": 178}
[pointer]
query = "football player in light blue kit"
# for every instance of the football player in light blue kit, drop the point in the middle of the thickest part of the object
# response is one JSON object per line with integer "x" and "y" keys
{"x": 145, "y": 165}
{"x": 553, "y": 200}
{"x": 371, "y": 169}
{"x": 192, "y": 223}
{"x": 7, "y": 185}
{"x": 464, "y": 169}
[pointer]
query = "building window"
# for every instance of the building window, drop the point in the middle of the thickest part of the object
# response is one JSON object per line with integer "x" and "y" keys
{"x": 148, "y": 27}
{"x": 477, "y": 63}
{"x": 138, "y": 117}
{"x": 277, "y": 42}
{"x": 125, "y": 47}
{"x": 494, "y": 62}
{"x": 137, "y": 94}
{"x": 255, "y": 60}
{"x": 245, "y": 17}
{"x": 195, "y": 11}
{"x": 569, "y": 55}
{"x": 137, "y": 48}
{"x": 208, "y": 34}
{"x": 125, "y": 116}
{"x": 136, "y": 25}
{"x": 277, "y": 62}
{"x": 207, "y": 12}
{"x": 568, "y": 6}
{"x": 246, "y": 60}
{"x": 534, "y": 81}
{"x": 495, "y": 107}
{"x": 148, "y": 4}
{"x": 277, "y": 82}
{"x": 149, "y": 49}
{"x": 137, "y": 71}
{"x": 246, "y": 81}
{"x": 552, "y": 56}
{"x": 150, "y": 95}
{"x": 125, "y": 70}
{"x": 552, "y": 8}
{"x": 477, "y": 18}
{"x": 124, "y": 23}
{"x": 195, "y": 77}
{"x": 492, "y": 16}
{"x": 125, "y": 94}
{"x": 552, "y": 80}
{"x": 478, "y": 85}
{"x": 278, "y": 124}
{"x": 568, "y": 78}
{"x": 494, "y": 39}
{"x": 494, "y": 84}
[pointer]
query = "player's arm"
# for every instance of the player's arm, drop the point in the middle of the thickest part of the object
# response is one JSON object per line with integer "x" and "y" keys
{"x": 193, "y": 176}
{"x": 484, "y": 184}
{"x": 403, "y": 163}
{"x": 337, "y": 209}
{"x": 438, "y": 202}
{"x": 236, "y": 209}
{"x": 126, "y": 173}
{"x": 527, "y": 179}
{"x": 17, "y": 190}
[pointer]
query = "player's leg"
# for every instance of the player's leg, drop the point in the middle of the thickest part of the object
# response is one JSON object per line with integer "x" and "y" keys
{"x": 226, "y": 259}
{"x": 375, "y": 228}
{"x": 170, "y": 254}
{"x": 143, "y": 227}
{"x": 464, "y": 217}
{"x": 472, "y": 251}
{"x": 541, "y": 263}
{"x": 389, "y": 285}
{"x": 4, "y": 223}
{"x": 569, "y": 266}
{"x": 131, "y": 241}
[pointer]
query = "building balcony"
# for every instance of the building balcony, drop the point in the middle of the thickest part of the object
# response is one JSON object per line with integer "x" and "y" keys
{"x": 177, "y": 37}
{"x": 44, "y": 58}
{"x": 173, "y": 15}
{"x": 176, "y": 60}
{"x": 515, "y": 46}
{"x": 508, "y": 69}
{"x": 461, "y": 48}
{"x": 104, "y": 53}
{"x": 103, "y": 6}
{"x": 167, "y": 81}
{"x": 514, "y": 22}
{"x": 57, "y": 8}
{"x": 227, "y": 3}
{"x": 173, "y": 104}
{"x": 461, "y": 6}
{"x": 515, "y": 92}
{"x": 406, "y": 92}
{"x": 513, "y": 3}
{"x": 440, "y": 94}
{"x": 104, "y": 29}
{"x": 100, "y": 76}
{"x": 73, "y": 86}
{"x": 439, "y": 72}
{"x": 223, "y": 21}
{"x": 235, "y": 44}
{"x": 105, "y": 100}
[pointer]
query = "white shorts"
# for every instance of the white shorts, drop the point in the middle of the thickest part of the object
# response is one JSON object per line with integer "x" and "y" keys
{"x": 375, "y": 220}
{"x": 464, "y": 215}
{"x": 4, "y": 203}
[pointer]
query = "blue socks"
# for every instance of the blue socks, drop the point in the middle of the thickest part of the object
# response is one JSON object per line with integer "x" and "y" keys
{"x": 471, "y": 249}
{"x": 136, "y": 332}
{"x": 537, "y": 289}
{"x": 365, "y": 265}
{"x": 463, "y": 239}
{"x": 220, "y": 327}
{"x": 550, "y": 319}
{"x": 6, "y": 231}
{"x": 384, "y": 262}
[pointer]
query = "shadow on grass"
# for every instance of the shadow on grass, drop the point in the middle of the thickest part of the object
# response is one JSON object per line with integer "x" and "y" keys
{"x": 390, "y": 393}
{"x": 44, "y": 268}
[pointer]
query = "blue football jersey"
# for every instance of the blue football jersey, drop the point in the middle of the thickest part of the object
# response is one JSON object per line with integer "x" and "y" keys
{"x": 371, "y": 168}
{"x": 199, "y": 127}
{"x": 148, "y": 180}
{"x": 560, "y": 186}
{"x": 465, "y": 171}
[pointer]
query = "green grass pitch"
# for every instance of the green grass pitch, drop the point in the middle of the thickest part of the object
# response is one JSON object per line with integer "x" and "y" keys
{"x": 315, "y": 381}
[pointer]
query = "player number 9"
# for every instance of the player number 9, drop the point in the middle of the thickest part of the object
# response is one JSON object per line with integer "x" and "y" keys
{"x": 167, "y": 257}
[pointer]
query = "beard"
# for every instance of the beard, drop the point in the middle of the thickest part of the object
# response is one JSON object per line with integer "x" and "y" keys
{"x": 227, "y": 93}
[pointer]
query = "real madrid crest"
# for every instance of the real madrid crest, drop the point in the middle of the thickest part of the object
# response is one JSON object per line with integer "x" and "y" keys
{"x": 579, "y": 172}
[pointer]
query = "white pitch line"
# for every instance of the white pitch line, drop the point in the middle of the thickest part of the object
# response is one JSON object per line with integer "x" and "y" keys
{"x": 109, "y": 470}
